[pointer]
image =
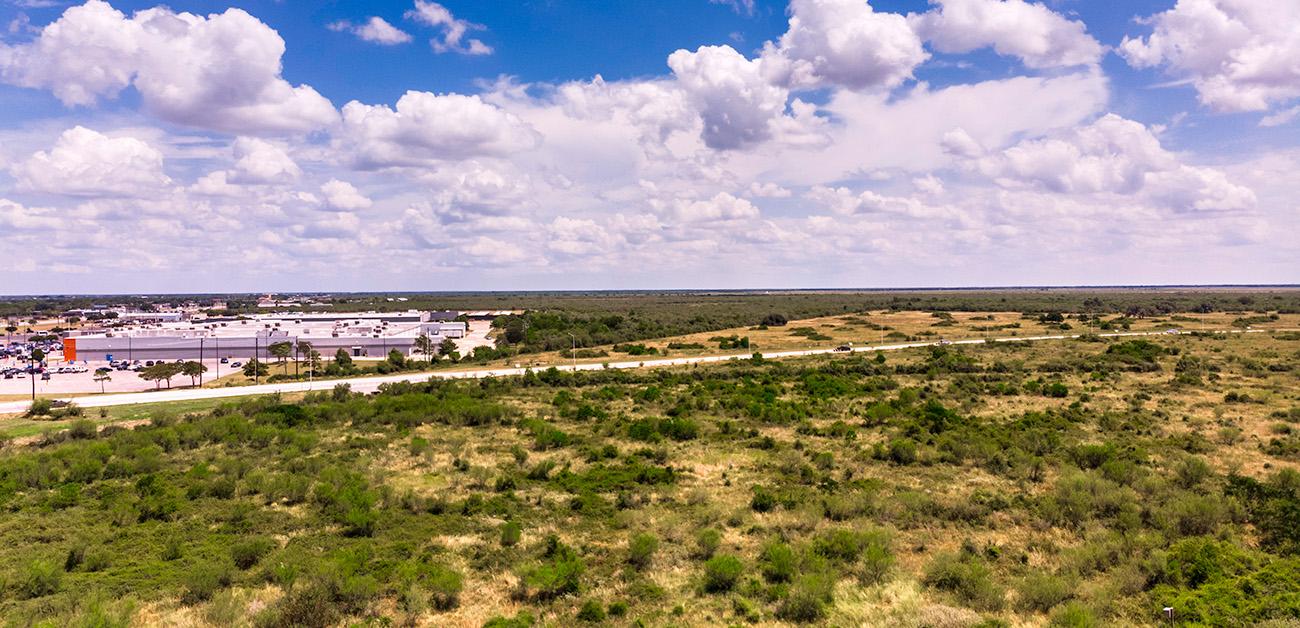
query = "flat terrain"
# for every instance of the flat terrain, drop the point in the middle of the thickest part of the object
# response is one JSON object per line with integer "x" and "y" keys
{"x": 1079, "y": 482}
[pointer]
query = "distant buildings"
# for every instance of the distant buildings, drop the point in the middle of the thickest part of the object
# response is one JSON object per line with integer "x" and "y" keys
{"x": 366, "y": 334}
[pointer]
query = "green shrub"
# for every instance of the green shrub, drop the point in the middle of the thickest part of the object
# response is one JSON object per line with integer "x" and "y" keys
{"x": 445, "y": 585}
{"x": 171, "y": 548}
{"x": 877, "y": 559}
{"x": 1040, "y": 592}
{"x": 902, "y": 451}
{"x": 39, "y": 579}
{"x": 641, "y": 549}
{"x": 346, "y": 498}
{"x": 303, "y": 606}
{"x": 721, "y": 573}
{"x": 1191, "y": 471}
{"x": 203, "y": 580}
{"x": 1074, "y": 615}
{"x": 97, "y": 560}
{"x": 707, "y": 542}
{"x": 40, "y": 407}
{"x": 763, "y": 500}
{"x": 75, "y": 556}
{"x": 559, "y": 574}
{"x": 806, "y": 602}
{"x": 777, "y": 562}
{"x": 966, "y": 577}
{"x": 592, "y": 611}
{"x": 848, "y": 545}
{"x": 511, "y": 532}
{"x": 679, "y": 428}
{"x": 247, "y": 552}
{"x": 522, "y": 619}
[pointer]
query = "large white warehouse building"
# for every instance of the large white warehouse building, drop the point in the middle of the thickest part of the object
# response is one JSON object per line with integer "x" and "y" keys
{"x": 369, "y": 334}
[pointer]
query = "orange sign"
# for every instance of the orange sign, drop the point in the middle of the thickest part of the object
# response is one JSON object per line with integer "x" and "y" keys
{"x": 69, "y": 349}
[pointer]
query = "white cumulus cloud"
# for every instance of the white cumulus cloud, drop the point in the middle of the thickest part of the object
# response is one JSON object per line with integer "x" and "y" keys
{"x": 84, "y": 162}
{"x": 1114, "y": 155}
{"x": 453, "y": 29}
{"x": 736, "y": 102}
{"x": 219, "y": 72}
{"x": 260, "y": 161}
{"x": 425, "y": 127}
{"x": 343, "y": 196}
{"x": 843, "y": 42}
{"x": 1240, "y": 55}
{"x": 375, "y": 30}
{"x": 1040, "y": 37}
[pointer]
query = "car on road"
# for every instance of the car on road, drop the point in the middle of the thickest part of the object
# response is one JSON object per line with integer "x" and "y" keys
{"x": 235, "y": 365}
{"x": 225, "y": 360}
{"x": 844, "y": 348}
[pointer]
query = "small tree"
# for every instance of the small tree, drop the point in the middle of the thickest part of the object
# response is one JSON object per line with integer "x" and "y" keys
{"x": 302, "y": 347}
{"x": 254, "y": 368}
{"x": 281, "y": 351}
{"x": 101, "y": 376}
{"x": 396, "y": 360}
{"x": 448, "y": 348}
{"x": 343, "y": 360}
{"x": 424, "y": 345}
{"x": 193, "y": 370}
{"x": 160, "y": 372}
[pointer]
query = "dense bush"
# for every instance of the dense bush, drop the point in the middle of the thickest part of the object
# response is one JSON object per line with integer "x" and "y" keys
{"x": 968, "y": 578}
{"x": 641, "y": 550}
{"x": 721, "y": 573}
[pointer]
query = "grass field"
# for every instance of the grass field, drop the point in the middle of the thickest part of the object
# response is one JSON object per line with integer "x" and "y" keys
{"x": 1074, "y": 483}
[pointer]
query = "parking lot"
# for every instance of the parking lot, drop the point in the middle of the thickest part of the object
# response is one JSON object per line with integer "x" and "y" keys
{"x": 84, "y": 382}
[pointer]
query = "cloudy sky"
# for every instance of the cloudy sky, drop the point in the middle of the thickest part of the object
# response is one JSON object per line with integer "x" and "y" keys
{"x": 583, "y": 144}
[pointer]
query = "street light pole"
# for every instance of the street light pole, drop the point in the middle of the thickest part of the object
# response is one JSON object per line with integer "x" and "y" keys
{"x": 573, "y": 352}
{"x": 200, "y": 362}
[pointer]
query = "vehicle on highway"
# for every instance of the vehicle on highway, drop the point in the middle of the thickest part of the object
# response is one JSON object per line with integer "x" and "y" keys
{"x": 844, "y": 348}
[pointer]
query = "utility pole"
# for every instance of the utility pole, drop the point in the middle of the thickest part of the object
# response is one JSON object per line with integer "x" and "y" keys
{"x": 35, "y": 356}
{"x": 257, "y": 367}
{"x": 573, "y": 352}
{"x": 200, "y": 362}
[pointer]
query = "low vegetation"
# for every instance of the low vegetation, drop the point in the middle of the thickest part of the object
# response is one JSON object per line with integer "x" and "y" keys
{"x": 1077, "y": 483}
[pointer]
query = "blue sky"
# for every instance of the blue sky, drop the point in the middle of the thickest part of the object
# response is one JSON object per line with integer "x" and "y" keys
{"x": 803, "y": 144}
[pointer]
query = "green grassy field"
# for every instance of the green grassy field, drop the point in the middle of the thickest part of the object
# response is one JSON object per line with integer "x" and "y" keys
{"x": 1074, "y": 483}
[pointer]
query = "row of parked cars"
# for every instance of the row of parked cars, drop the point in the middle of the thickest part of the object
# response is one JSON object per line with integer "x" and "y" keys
{"x": 22, "y": 372}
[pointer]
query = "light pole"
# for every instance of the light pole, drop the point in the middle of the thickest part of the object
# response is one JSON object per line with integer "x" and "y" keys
{"x": 573, "y": 352}
{"x": 200, "y": 362}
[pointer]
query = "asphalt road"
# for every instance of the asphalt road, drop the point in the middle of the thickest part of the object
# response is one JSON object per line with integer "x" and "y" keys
{"x": 372, "y": 384}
